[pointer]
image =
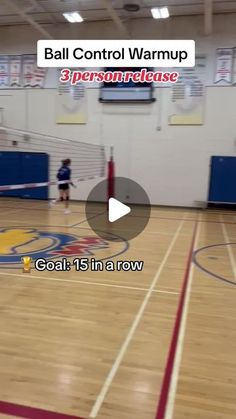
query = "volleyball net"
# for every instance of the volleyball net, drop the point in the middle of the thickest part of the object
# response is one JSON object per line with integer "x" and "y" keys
{"x": 88, "y": 161}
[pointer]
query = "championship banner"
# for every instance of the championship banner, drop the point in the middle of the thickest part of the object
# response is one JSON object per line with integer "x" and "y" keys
{"x": 32, "y": 75}
{"x": 15, "y": 70}
{"x": 28, "y": 66}
{"x": 71, "y": 106}
{"x": 39, "y": 76}
{"x": 21, "y": 71}
{"x": 4, "y": 71}
{"x": 224, "y": 66}
{"x": 188, "y": 95}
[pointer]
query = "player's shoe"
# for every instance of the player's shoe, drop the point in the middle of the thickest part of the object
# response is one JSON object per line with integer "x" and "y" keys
{"x": 52, "y": 203}
{"x": 67, "y": 211}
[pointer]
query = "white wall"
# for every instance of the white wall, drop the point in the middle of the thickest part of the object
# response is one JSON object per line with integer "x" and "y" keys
{"x": 172, "y": 164}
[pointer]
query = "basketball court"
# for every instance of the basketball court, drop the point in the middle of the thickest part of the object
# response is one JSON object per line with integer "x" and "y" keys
{"x": 140, "y": 321}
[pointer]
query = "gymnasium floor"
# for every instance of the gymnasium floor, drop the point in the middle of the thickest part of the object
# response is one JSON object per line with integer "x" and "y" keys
{"x": 159, "y": 343}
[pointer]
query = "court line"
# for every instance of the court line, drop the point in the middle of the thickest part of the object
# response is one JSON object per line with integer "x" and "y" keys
{"x": 229, "y": 213}
{"x": 192, "y": 220}
{"x": 99, "y": 284}
{"x": 170, "y": 379}
{"x": 10, "y": 212}
{"x": 178, "y": 219}
{"x": 206, "y": 271}
{"x": 89, "y": 218}
{"x": 109, "y": 379}
{"x": 229, "y": 248}
{"x": 139, "y": 216}
{"x": 28, "y": 412}
{"x": 195, "y": 220}
{"x": 46, "y": 208}
{"x": 32, "y": 225}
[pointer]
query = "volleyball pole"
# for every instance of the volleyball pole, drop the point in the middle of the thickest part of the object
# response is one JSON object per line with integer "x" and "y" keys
{"x": 111, "y": 175}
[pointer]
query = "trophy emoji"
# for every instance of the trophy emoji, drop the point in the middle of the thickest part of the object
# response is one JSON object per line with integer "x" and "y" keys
{"x": 26, "y": 262}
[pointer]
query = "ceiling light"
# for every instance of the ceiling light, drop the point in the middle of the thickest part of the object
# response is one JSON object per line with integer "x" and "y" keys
{"x": 73, "y": 17}
{"x": 164, "y": 12}
{"x": 156, "y": 13}
{"x": 160, "y": 12}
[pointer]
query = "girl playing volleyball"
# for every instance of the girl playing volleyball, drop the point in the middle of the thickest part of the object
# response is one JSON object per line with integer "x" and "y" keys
{"x": 64, "y": 175}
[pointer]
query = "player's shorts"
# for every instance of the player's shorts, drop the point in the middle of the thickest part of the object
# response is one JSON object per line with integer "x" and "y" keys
{"x": 64, "y": 187}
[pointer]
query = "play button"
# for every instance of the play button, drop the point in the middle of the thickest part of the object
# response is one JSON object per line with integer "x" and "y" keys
{"x": 117, "y": 210}
{"x": 122, "y": 217}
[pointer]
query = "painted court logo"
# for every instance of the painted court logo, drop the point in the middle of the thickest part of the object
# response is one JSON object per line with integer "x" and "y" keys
{"x": 18, "y": 242}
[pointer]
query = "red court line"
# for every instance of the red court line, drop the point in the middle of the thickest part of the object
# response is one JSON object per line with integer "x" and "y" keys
{"x": 162, "y": 404}
{"x": 28, "y": 412}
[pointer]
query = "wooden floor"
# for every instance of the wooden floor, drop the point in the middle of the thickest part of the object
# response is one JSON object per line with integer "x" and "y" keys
{"x": 155, "y": 344}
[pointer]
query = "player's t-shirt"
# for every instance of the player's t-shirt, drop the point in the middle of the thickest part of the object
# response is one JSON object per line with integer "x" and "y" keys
{"x": 64, "y": 173}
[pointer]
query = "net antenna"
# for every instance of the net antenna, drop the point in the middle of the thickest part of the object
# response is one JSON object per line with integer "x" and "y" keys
{"x": 88, "y": 160}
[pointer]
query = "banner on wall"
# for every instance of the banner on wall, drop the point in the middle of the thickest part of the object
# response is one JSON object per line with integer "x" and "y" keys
{"x": 21, "y": 71}
{"x": 38, "y": 78}
{"x": 188, "y": 95}
{"x": 15, "y": 71}
{"x": 28, "y": 67}
{"x": 224, "y": 66}
{"x": 4, "y": 71}
{"x": 71, "y": 106}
